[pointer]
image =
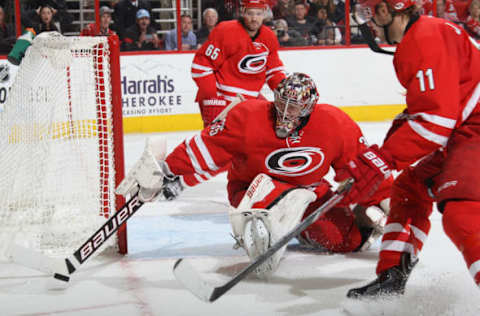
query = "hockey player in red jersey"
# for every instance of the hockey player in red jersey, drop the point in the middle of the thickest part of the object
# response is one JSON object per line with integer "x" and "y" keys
{"x": 277, "y": 153}
{"x": 437, "y": 63}
{"x": 237, "y": 59}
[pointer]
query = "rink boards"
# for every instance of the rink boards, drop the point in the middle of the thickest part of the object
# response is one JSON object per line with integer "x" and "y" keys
{"x": 158, "y": 93}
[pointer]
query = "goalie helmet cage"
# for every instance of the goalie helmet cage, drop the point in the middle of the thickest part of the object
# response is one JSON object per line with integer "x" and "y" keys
{"x": 61, "y": 140}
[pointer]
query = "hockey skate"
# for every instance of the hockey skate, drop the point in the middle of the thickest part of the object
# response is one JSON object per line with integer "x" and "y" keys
{"x": 390, "y": 282}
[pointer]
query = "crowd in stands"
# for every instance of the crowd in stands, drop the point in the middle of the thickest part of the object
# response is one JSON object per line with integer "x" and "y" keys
{"x": 295, "y": 22}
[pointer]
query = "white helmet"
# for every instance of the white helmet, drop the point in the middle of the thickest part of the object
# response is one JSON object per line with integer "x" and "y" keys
{"x": 295, "y": 98}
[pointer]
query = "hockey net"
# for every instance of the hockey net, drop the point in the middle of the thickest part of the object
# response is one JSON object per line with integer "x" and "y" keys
{"x": 61, "y": 144}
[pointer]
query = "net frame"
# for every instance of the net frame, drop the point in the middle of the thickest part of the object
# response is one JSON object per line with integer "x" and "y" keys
{"x": 82, "y": 104}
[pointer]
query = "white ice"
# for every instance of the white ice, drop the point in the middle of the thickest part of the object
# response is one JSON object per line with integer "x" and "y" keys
{"x": 196, "y": 226}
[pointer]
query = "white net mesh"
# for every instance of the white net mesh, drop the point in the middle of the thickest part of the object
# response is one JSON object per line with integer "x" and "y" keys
{"x": 56, "y": 161}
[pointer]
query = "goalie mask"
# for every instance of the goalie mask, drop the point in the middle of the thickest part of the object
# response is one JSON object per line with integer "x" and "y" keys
{"x": 295, "y": 98}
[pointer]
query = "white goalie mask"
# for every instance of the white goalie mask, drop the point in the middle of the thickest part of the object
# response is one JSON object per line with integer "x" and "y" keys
{"x": 295, "y": 98}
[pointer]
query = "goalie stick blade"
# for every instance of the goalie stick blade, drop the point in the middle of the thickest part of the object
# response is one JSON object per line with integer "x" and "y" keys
{"x": 186, "y": 275}
{"x": 34, "y": 259}
{"x": 190, "y": 279}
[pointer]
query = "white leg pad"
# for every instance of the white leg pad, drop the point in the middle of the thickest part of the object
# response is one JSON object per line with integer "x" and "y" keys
{"x": 258, "y": 229}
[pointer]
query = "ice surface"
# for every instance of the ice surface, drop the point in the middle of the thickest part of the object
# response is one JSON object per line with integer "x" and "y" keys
{"x": 196, "y": 226}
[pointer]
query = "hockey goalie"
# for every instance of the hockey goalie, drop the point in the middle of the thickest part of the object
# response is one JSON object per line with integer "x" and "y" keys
{"x": 278, "y": 154}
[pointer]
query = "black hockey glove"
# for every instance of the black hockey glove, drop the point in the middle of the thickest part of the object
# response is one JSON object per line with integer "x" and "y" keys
{"x": 171, "y": 187}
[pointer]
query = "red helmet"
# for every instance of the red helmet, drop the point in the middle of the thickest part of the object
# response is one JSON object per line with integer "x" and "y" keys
{"x": 368, "y": 6}
{"x": 400, "y": 5}
{"x": 260, "y": 4}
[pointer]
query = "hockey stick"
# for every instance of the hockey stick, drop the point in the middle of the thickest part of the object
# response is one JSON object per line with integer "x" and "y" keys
{"x": 36, "y": 260}
{"x": 94, "y": 242}
{"x": 187, "y": 275}
{"x": 368, "y": 36}
{"x": 223, "y": 114}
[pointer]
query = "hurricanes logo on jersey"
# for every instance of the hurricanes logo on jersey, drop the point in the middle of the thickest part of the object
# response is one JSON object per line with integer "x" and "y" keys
{"x": 254, "y": 63}
{"x": 294, "y": 162}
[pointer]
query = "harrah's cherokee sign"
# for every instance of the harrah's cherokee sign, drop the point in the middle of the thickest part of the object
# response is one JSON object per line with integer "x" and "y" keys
{"x": 157, "y": 85}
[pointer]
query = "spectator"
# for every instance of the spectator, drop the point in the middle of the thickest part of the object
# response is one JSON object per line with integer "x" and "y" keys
{"x": 268, "y": 17}
{"x": 141, "y": 36}
{"x": 473, "y": 20}
{"x": 210, "y": 19}
{"x": 315, "y": 5}
{"x": 324, "y": 30}
{"x": 302, "y": 23}
{"x": 124, "y": 14}
{"x": 446, "y": 10}
{"x": 46, "y": 23}
{"x": 381, "y": 17}
{"x": 227, "y": 9}
{"x": 283, "y": 9}
{"x": 7, "y": 34}
{"x": 189, "y": 40}
{"x": 104, "y": 27}
{"x": 287, "y": 37}
{"x": 61, "y": 17}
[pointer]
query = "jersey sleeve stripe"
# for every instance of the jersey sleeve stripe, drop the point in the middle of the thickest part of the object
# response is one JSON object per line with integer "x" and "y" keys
{"x": 428, "y": 135}
{"x": 205, "y": 153}
{"x": 472, "y": 103}
{"x": 282, "y": 69}
{"x": 237, "y": 90}
{"x": 203, "y": 74}
{"x": 226, "y": 97}
{"x": 200, "y": 67}
{"x": 436, "y": 119}
{"x": 194, "y": 161}
{"x": 199, "y": 178}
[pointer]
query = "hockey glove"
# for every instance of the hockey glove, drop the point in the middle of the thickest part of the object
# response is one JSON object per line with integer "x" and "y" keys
{"x": 172, "y": 187}
{"x": 210, "y": 108}
{"x": 148, "y": 173}
{"x": 368, "y": 169}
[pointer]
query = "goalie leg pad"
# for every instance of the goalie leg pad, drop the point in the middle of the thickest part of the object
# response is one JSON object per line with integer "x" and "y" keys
{"x": 256, "y": 229}
{"x": 147, "y": 173}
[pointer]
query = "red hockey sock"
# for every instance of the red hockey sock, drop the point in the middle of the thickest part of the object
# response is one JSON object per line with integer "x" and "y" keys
{"x": 408, "y": 223}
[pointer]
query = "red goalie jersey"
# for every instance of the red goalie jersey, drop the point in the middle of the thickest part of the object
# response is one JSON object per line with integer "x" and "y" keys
{"x": 246, "y": 141}
{"x": 230, "y": 62}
